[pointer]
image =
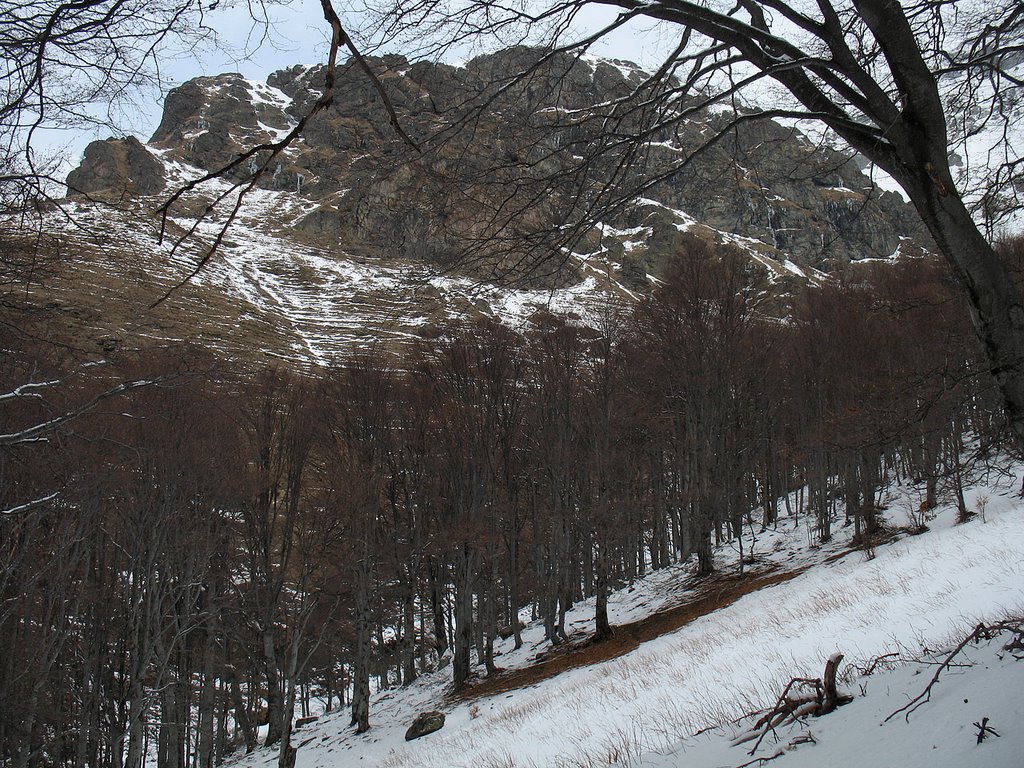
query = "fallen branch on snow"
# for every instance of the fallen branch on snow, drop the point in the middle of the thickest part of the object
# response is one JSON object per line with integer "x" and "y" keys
{"x": 884, "y": 659}
{"x": 801, "y": 697}
{"x": 983, "y": 730}
{"x": 981, "y": 632}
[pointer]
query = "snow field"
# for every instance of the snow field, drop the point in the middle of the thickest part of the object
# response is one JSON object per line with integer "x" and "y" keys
{"x": 942, "y": 733}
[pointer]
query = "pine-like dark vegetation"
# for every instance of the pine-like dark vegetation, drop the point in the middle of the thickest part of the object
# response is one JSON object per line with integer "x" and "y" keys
{"x": 191, "y": 548}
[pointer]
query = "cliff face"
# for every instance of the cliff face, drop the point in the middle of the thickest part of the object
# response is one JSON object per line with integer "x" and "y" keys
{"x": 505, "y": 168}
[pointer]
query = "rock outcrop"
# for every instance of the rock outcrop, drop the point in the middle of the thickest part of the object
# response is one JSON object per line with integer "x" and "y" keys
{"x": 425, "y": 722}
{"x": 505, "y": 167}
{"x": 116, "y": 169}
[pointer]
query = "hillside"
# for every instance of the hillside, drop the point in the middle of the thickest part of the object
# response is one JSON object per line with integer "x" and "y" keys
{"x": 577, "y": 409}
{"x": 266, "y": 294}
{"x": 982, "y": 686}
{"x": 350, "y": 238}
{"x": 914, "y": 597}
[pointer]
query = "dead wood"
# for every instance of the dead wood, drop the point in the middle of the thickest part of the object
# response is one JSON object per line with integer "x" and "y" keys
{"x": 984, "y": 730}
{"x": 801, "y": 697}
{"x": 873, "y": 664}
{"x": 762, "y": 760}
{"x": 980, "y": 632}
{"x": 803, "y": 738}
{"x": 832, "y": 697}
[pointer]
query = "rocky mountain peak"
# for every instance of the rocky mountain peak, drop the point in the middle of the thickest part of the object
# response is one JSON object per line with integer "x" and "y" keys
{"x": 350, "y": 229}
{"x": 209, "y": 121}
{"x": 116, "y": 169}
{"x": 792, "y": 199}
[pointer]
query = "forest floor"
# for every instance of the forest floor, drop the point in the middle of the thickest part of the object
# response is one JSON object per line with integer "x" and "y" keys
{"x": 693, "y": 656}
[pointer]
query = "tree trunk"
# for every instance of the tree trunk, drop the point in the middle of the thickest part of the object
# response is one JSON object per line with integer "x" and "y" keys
{"x": 361, "y": 660}
{"x": 463, "y": 616}
{"x": 207, "y": 706}
{"x": 489, "y": 619}
{"x": 242, "y": 716}
{"x": 437, "y": 607}
{"x": 171, "y": 748}
{"x": 918, "y": 159}
{"x": 286, "y": 755}
{"x": 700, "y": 527}
{"x": 513, "y": 588}
{"x": 602, "y": 628}
{"x": 137, "y": 707}
{"x": 273, "y": 683}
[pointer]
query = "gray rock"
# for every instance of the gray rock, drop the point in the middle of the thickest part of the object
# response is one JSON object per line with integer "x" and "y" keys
{"x": 209, "y": 121}
{"x": 763, "y": 181}
{"x": 115, "y": 169}
{"x": 507, "y": 631}
{"x": 425, "y": 722}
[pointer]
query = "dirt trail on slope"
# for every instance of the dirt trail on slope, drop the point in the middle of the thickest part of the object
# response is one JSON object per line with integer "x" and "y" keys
{"x": 708, "y": 595}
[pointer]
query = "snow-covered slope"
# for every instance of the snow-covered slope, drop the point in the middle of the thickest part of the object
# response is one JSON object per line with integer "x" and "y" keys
{"x": 916, "y": 593}
{"x": 983, "y": 681}
{"x": 272, "y": 291}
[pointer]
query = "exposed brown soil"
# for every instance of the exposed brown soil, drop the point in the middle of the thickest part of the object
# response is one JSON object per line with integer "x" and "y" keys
{"x": 708, "y": 594}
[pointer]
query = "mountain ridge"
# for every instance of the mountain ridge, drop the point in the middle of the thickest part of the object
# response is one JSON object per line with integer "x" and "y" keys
{"x": 348, "y": 196}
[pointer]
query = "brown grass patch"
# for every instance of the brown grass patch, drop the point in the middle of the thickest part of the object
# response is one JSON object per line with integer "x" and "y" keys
{"x": 708, "y": 595}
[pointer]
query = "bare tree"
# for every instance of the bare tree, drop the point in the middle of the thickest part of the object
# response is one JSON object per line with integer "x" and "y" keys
{"x": 71, "y": 65}
{"x": 698, "y": 332}
{"x": 361, "y": 427}
{"x": 901, "y": 83}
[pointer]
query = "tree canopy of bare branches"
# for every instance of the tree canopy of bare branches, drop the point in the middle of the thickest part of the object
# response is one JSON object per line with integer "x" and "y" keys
{"x": 907, "y": 85}
{"x": 74, "y": 65}
{"x": 186, "y": 560}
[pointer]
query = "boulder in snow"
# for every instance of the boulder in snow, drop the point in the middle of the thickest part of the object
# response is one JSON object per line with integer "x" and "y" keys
{"x": 425, "y": 722}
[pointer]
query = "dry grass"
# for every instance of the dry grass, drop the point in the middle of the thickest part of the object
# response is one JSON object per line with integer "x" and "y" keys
{"x": 707, "y": 595}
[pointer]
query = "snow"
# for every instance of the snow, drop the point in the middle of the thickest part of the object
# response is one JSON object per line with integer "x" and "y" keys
{"x": 516, "y": 307}
{"x": 940, "y": 734}
{"x": 685, "y": 219}
{"x": 794, "y": 268}
{"x": 261, "y": 93}
{"x": 685, "y": 222}
{"x": 638, "y": 709}
{"x": 631, "y": 238}
{"x": 627, "y": 69}
{"x": 176, "y": 172}
{"x": 322, "y": 301}
{"x": 276, "y": 134}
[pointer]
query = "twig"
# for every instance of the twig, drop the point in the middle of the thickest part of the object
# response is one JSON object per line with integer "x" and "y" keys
{"x": 926, "y": 694}
{"x": 870, "y": 669}
{"x": 981, "y": 632}
{"x": 762, "y": 760}
{"x": 983, "y": 729}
